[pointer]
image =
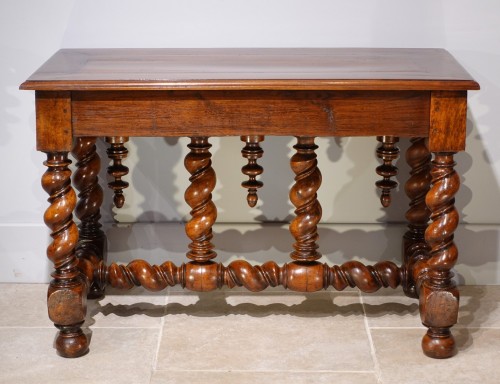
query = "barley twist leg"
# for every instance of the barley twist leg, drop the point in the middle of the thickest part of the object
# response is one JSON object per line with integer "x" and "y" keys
{"x": 66, "y": 297}
{"x": 92, "y": 240}
{"x": 415, "y": 248}
{"x": 438, "y": 294}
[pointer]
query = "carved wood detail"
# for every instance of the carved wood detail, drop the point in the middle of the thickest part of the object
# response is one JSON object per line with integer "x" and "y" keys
{"x": 438, "y": 293}
{"x": 198, "y": 195}
{"x": 252, "y": 151}
{"x": 305, "y": 199}
{"x": 117, "y": 152}
{"x": 296, "y": 275}
{"x": 387, "y": 152}
{"x": 415, "y": 248}
{"x": 92, "y": 240}
{"x": 66, "y": 297}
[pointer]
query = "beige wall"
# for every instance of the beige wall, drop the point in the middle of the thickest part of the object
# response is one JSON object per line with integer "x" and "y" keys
{"x": 31, "y": 30}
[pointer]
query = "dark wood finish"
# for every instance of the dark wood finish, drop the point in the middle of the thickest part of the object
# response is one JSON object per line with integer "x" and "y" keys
{"x": 66, "y": 297}
{"x": 388, "y": 152}
{"x": 448, "y": 121}
{"x": 117, "y": 152}
{"x": 92, "y": 240}
{"x": 53, "y": 121}
{"x": 252, "y": 152}
{"x": 199, "y": 93}
{"x": 297, "y": 276}
{"x": 246, "y": 69}
{"x": 199, "y": 197}
{"x": 415, "y": 248}
{"x": 304, "y": 228}
{"x": 257, "y": 113}
{"x": 438, "y": 293}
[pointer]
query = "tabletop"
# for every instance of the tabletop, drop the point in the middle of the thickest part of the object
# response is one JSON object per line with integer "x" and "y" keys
{"x": 251, "y": 68}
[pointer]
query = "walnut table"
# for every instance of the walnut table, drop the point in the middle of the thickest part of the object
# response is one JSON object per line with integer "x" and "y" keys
{"x": 86, "y": 94}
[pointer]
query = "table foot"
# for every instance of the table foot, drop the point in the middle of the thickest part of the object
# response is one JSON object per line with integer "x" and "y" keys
{"x": 71, "y": 342}
{"x": 439, "y": 343}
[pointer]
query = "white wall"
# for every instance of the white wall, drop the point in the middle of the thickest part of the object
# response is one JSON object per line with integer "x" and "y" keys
{"x": 31, "y": 30}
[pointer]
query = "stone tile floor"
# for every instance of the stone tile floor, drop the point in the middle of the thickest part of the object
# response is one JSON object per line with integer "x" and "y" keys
{"x": 238, "y": 337}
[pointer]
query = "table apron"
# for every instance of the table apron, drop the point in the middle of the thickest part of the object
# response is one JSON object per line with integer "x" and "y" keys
{"x": 234, "y": 113}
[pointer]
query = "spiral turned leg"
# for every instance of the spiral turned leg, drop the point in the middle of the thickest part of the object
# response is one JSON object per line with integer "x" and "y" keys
{"x": 117, "y": 152}
{"x": 415, "y": 248}
{"x": 304, "y": 197}
{"x": 438, "y": 293}
{"x": 66, "y": 297}
{"x": 199, "y": 197}
{"x": 388, "y": 152}
{"x": 92, "y": 240}
{"x": 252, "y": 152}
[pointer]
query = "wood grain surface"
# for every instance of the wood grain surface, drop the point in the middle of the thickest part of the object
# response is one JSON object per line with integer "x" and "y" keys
{"x": 244, "y": 68}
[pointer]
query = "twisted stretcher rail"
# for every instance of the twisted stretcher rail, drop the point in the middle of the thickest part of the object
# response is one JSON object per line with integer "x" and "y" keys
{"x": 297, "y": 275}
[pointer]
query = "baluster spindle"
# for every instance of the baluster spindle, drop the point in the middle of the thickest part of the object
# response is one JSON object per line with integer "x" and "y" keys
{"x": 388, "y": 152}
{"x": 117, "y": 152}
{"x": 252, "y": 151}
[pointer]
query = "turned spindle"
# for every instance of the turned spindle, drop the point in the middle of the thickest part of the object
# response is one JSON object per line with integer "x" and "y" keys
{"x": 304, "y": 197}
{"x": 252, "y": 152}
{"x": 387, "y": 152}
{"x": 198, "y": 195}
{"x": 117, "y": 152}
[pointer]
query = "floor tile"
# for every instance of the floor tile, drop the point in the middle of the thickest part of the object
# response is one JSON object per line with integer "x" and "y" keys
{"x": 189, "y": 377}
{"x": 479, "y": 306}
{"x": 134, "y": 308}
{"x": 391, "y": 308}
{"x": 116, "y": 356}
{"x": 324, "y": 331}
{"x": 30, "y": 309}
{"x": 401, "y": 359}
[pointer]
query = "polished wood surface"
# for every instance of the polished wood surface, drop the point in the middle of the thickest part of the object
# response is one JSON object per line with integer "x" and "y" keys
{"x": 67, "y": 293}
{"x": 117, "y": 152}
{"x": 290, "y": 69}
{"x": 92, "y": 240}
{"x": 252, "y": 152}
{"x": 241, "y": 113}
{"x": 113, "y": 94}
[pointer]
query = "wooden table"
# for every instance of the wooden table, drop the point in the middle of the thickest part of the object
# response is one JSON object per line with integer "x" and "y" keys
{"x": 86, "y": 94}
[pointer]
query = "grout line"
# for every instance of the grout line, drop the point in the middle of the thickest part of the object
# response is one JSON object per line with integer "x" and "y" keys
{"x": 401, "y": 327}
{"x": 27, "y": 327}
{"x": 154, "y": 363}
{"x": 378, "y": 372}
{"x": 262, "y": 371}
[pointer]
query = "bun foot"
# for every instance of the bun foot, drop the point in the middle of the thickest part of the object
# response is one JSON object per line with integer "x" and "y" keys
{"x": 439, "y": 344}
{"x": 71, "y": 343}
